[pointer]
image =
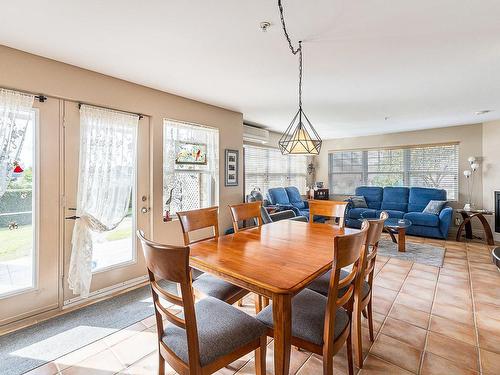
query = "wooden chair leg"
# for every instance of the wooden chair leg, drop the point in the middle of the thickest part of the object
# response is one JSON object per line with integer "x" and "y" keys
{"x": 356, "y": 332}
{"x": 258, "y": 303}
{"x": 260, "y": 357}
{"x": 370, "y": 320}
{"x": 161, "y": 365}
{"x": 350, "y": 365}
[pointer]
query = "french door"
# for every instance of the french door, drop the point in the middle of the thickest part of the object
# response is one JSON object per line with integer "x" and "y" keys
{"x": 30, "y": 220}
{"x": 117, "y": 258}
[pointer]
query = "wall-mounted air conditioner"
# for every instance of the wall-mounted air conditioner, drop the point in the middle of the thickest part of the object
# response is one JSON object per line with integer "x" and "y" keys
{"x": 255, "y": 135}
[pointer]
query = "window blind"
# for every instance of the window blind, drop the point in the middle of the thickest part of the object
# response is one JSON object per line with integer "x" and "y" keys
{"x": 424, "y": 166}
{"x": 266, "y": 168}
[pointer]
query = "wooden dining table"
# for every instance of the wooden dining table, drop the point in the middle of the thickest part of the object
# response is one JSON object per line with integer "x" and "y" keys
{"x": 276, "y": 260}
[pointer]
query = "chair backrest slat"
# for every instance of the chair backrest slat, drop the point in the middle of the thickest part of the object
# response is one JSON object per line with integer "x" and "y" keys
{"x": 176, "y": 300}
{"x": 246, "y": 211}
{"x": 199, "y": 219}
{"x": 372, "y": 241}
{"x": 333, "y": 209}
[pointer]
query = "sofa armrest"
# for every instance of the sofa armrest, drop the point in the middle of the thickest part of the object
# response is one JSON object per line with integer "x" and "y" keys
{"x": 306, "y": 203}
{"x": 282, "y": 215}
{"x": 445, "y": 218}
{"x": 283, "y": 207}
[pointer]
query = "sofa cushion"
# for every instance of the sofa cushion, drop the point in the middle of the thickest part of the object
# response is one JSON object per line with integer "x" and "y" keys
{"x": 392, "y": 213}
{"x": 434, "y": 207}
{"x": 420, "y": 197}
{"x": 358, "y": 201}
{"x": 294, "y": 197}
{"x": 355, "y": 213}
{"x": 395, "y": 198}
{"x": 278, "y": 196}
{"x": 420, "y": 218}
{"x": 373, "y": 195}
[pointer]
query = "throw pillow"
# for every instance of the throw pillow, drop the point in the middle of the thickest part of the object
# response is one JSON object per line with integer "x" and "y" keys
{"x": 358, "y": 201}
{"x": 434, "y": 207}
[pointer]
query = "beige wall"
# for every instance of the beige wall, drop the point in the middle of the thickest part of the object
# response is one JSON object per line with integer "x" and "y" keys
{"x": 27, "y": 72}
{"x": 470, "y": 138}
{"x": 491, "y": 167}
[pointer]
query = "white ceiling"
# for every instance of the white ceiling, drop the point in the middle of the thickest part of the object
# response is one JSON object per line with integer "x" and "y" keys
{"x": 423, "y": 63}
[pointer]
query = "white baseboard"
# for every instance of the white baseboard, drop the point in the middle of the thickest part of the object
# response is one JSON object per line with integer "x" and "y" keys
{"x": 101, "y": 293}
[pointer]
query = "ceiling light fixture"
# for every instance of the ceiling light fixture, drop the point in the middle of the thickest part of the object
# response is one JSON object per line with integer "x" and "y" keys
{"x": 264, "y": 26}
{"x": 300, "y": 138}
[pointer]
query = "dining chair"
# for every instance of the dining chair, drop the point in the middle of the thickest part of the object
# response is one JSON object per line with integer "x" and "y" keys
{"x": 363, "y": 293}
{"x": 243, "y": 212}
{"x": 208, "y": 285}
{"x": 209, "y": 334}
{"x": 331, "y": 209}
{"x": 321, "y": 324}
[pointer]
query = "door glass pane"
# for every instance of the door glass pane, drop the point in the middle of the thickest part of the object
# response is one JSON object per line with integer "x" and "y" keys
{"x": 117, "y": 246}
{"x": 17, "y": 217}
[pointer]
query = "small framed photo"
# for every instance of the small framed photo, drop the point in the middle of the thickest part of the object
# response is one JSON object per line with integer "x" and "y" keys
{"x": 231, "y": 167}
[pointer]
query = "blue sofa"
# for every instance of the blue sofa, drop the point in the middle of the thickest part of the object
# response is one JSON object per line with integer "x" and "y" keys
{"x": 288, "y": 198}
{"x": 403, "y": 202}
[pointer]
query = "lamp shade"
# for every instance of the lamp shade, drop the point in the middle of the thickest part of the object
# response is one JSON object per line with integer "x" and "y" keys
{"x": 300, "y": 137}
{"x": 471, "y": 159}
{"x": 474, "y": 166}
{"x": 467, "y": 173}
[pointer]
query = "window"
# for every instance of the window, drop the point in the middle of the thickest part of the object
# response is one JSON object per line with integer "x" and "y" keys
{"x": 18, "y": 251}
{"x": 190, "y": 166}
{"x": 425, "y": 166}
{"x": 267, "y": 167}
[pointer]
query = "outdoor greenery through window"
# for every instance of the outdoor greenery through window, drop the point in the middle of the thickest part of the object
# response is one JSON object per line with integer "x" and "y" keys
{"x": 433, "y": 166}
{"x": 190, "y": 167}
{"x": 267, "y": 168}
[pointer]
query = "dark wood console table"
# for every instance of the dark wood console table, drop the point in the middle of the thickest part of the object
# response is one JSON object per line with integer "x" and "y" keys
{"x": 467, "y": 217}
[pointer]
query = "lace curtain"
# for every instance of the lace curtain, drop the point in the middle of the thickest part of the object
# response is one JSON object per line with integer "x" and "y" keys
{"x": 105, "y": 181}
{"x": 15, "y": 115}
{"x": 189, "y": 186}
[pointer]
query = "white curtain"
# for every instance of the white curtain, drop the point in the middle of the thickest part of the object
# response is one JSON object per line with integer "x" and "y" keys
{"x": 15, "y": 115}
{"x": 106, "y": 178}
{"x": 189, "y": 186}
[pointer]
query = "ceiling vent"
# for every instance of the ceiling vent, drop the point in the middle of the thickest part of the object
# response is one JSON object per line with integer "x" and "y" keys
{"x": 255, "y": 135}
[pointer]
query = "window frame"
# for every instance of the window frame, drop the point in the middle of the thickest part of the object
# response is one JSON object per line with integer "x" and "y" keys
{"x": 288, "y": 176}
{"x": 407, "y": 170}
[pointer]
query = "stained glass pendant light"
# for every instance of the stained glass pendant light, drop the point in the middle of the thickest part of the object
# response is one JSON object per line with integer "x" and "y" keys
{"x": 300, "y": 138}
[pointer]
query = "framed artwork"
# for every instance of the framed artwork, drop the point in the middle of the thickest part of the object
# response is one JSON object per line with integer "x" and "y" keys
{"x": 191, "y": 153}
{"x": 231, "y": 168}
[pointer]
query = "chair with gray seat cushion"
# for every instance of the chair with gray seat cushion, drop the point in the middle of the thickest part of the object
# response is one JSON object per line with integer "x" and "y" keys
{"x": 206, "y": 336}
{"x": 208, "y": 285}
{"x": 321, "y": 324}
{"x": 363, "y": 293}
{"x": 278, "y": 214}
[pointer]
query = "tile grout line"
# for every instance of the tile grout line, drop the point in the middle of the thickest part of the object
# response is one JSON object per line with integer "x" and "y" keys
{"x": 476, "y": 329}
{"x": 387, "y": 316}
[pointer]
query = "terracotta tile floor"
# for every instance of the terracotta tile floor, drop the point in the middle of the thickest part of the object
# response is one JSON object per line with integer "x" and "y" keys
{"x": 427, "y": 321}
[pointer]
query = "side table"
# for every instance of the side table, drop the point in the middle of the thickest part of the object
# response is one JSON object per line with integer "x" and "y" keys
{"x": 467, "y": 217}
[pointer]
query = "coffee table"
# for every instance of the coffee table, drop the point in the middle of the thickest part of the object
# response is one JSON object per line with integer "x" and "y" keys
{"x": 397, "y": 226}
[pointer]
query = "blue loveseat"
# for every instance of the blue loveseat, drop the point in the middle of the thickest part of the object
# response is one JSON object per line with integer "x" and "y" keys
{"x": 403, "y": 202}
{"x": 288, "y": 198}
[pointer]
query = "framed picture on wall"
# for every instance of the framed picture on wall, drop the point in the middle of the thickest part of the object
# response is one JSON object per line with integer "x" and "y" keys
{"x": 231, "y": 168}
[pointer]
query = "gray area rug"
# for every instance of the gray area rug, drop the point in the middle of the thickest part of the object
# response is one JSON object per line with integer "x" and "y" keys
{"x": 415, "y": 252}
{"x": 31, "y": 347}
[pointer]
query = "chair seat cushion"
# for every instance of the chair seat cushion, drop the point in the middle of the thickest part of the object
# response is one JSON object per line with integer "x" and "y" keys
{"x": 321, "y": 284}
{"x": 356, "y": 213}
{"x": 214, "y": 287}
{"x": 308, "y": 317}
{"x": 222, "y": 329}
{"x": 420, "y": 218}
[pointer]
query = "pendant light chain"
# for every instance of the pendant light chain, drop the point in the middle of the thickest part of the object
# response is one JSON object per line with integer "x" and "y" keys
{"x": 294, "y": 50}
{"x": 300, "y": 138}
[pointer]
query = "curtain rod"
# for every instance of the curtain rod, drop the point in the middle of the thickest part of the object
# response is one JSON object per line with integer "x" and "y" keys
{"x": 112, "y": 109}
{"x": 43, "y": 98}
